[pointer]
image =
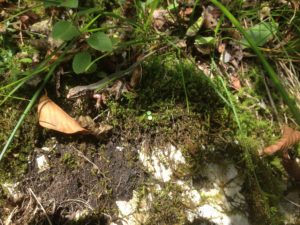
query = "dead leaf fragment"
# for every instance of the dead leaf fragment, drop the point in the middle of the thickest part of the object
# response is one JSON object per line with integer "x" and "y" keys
{"x": 235, "y": 82}
{"x": 211, "y": 17}
{"x": 185, "y": 13}
{"x": 161, "y": 20}
{"x": 51, "y": 116}
{"x": 136, "y": 77}
{"x": 289, "y": 138}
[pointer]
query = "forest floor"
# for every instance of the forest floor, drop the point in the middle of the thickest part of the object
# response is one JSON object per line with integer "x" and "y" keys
{"x": 176, "y": 132}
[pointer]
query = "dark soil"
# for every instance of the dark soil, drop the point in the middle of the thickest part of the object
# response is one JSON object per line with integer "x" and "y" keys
{"x": 82, "y": 175}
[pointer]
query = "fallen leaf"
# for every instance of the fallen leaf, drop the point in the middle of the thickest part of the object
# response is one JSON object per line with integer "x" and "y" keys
{"x": 161, "y": 19}
{"x": 235, "y": 82}
{"x": 211, "y": 16}
{"x": 51, "y": 116}
{"x": 260, "y": 33}
{"x": 289, "y": 138}
{"x": 185, "y": 13}
{"x": 193, "y": 30}
{"x": 43, "y": 27}
{"x": 136, "y": 77}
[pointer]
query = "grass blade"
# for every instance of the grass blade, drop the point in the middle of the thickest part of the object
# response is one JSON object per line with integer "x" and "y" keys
{"x": 272, "y": 74}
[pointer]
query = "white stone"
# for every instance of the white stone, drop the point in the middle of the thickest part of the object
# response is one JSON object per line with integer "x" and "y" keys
{"x": 215, "y": 199}
{"x": 161, "y": 161}
{"x": 119, "y": 148}
{"x": 134, "y": 211}
{"x": 42, "y": 163}
{"x": 11, "y": 190}
{"x": 46, "y": 149}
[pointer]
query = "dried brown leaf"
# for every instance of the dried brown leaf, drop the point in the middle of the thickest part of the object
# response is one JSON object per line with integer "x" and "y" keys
{"x": 211, "y": 17}
{"x": 289, "y": 138}
{"x": 136, "y": 77}
{"x": 51, "y": 116}
{"x": 161, "y": 20}
{"x": 235, "y": 82}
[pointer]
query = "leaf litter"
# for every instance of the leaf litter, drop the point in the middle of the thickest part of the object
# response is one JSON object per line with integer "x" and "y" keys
{"x": 53, "y": 117}
{"x": 199, "y": 25}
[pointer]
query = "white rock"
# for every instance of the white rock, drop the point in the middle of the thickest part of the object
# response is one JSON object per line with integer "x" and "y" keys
{"x": 46, "y": 149}
{"x": 134, "y": 211}
{"x": 42, "y": 163}
{"x": 119, "y": 148}
{"x": 11, "y": 189}
{"x": 215, "y": 199}
{"x": 161, "y": 161}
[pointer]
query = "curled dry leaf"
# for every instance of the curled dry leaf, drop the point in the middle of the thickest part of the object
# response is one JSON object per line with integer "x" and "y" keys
{"x": 289, "y": 138}
{"x": 51, "y": 116}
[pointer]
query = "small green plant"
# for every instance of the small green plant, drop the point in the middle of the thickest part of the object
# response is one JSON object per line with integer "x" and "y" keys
{"x": 68, "y": 159}
{"x": 274, "y": 77}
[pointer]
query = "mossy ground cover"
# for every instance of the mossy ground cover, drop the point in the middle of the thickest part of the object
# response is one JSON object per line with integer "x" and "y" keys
{"x": 209, "y": 123}
{"x": 175, "y": 102}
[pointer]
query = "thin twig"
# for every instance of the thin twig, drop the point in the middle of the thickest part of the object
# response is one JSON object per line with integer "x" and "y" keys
{"x": 293, "y": 203}
{"x": 88, "y": 160}
{"x": 78, "y": 201}
{"x": 270, "y": 98}
{"x": 8, "y": 220}
{"x": 41, "y": 206}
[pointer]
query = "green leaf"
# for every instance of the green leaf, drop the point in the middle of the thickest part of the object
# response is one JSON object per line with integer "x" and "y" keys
{"x": 64, "y": 3}
{"x": 26, "y": 60}
{"x": 199, "y": 40}
{"x": 65, "y": 31}
{"x": 81, "y": 61}
{"x": 261, "y": 33}
{"x": 193, "y": 30}
{"x": 100, "y": 42}
{"x": 172, "y": 6}
{"x": 70, "y": 3}
{"x": 48, "y": 3}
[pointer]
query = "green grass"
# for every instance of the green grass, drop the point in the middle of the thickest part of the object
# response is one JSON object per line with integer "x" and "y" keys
{"x": 237, "y": 116}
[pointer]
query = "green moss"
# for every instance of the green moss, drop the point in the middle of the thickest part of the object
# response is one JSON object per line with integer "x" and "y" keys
{"x": 15, "y": 161}
{"x": 69, "y": 160}
{"x": 166, "y": 206}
